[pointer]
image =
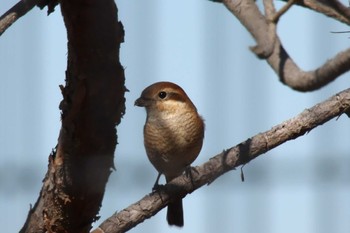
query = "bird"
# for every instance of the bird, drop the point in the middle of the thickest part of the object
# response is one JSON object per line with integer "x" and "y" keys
{"x": 173, "y": 135}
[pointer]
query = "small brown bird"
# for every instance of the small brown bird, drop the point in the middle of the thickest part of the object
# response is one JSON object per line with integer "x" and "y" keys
{"x": 173, "y": 135}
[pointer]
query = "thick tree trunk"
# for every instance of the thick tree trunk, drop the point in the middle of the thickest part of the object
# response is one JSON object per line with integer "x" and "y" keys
{"x": 93, "y": 104}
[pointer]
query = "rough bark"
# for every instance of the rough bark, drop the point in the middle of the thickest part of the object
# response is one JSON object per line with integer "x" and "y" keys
{"x": 92, "y": 105}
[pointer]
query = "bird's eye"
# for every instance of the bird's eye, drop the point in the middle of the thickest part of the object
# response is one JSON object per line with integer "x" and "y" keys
{"x": 162, "y": 94}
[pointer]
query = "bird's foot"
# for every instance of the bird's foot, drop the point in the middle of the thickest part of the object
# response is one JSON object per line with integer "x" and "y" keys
{"x": 188, "y": 173}
{"x": 157, "y": 187}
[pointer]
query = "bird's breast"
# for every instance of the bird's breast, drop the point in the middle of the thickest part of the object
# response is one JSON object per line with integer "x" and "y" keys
{"x": 173, "y": 139}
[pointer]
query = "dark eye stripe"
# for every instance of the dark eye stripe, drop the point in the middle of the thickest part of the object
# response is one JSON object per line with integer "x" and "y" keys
{"x": 176, "y": 96}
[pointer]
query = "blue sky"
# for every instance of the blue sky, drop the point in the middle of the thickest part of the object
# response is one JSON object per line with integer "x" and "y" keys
{"x": 301, "y": 186}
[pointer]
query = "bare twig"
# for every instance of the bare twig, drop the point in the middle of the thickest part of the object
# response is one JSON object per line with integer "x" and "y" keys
{"x": 283, "y": 10}
{"x": 270, "y": 48}
{"x": 17, "y": 11}
{"x": 331, "y": 8}
{"x": 226, "y": 161}
{"x": 341, "y": 32}
{"x": 21, "y": 8}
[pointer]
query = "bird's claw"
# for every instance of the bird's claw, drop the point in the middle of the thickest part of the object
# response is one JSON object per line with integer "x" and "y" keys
{"x": 157, "y": 187}
{"x": 188, "y": 173}
{"x": 189, "y": 170}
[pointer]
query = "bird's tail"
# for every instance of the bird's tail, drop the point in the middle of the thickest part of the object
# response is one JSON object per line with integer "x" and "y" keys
{"x": 175, "y": 214}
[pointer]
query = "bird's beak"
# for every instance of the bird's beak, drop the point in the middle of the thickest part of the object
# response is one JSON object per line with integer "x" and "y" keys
{"x": 140, "y": 102}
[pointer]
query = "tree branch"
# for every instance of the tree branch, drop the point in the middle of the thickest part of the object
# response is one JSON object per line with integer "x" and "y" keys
{"x": 21, "y": 8}
{"x": 227, "y": 161}
{"x": 270, "y": 48}
{"x": 16, "y": 12}
{"x": 330, "y": 8}
{"x": 92, "y": 105}
{"x": 283, "y": 10}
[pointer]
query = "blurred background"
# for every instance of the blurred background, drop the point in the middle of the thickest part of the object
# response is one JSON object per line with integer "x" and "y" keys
{"x": 301, "y": 186}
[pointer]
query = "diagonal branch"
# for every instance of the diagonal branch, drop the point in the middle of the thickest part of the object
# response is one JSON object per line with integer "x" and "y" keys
{"x": 283, "y": 10}
{"x": 21, "y": 8}
{"x": 269, "y": 47}
{"x": 16, "y": 12}
{"x": 331, "y": 8}
{"x": 226, "y": 161}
